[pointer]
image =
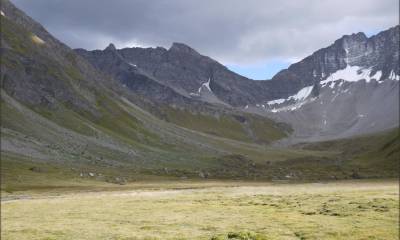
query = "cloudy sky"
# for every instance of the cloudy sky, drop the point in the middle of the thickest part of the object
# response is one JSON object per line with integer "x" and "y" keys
{"x": 256, "y": 38}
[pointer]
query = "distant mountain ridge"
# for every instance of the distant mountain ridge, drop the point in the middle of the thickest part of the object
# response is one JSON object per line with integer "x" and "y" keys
{"x": 180, "y": 72}
{"x": 185, "y": 70}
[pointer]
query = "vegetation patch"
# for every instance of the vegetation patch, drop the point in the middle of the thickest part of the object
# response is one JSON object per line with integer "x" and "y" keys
{"x": 239, "y": 236}
{"x": 208, "y": 210}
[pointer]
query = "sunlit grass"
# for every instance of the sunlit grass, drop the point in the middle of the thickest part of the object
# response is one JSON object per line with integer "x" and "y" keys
{"x": 341, "y": 210}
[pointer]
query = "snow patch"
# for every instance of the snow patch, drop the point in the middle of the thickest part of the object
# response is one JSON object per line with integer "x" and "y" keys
{"x": 133, "y": 65}
{"x": 346, "y": 49}
{"x": 292, "y": 107}
{"x": 351, "y": 74}
{"x": 377, "y": 75}
{"x": 394, "y": 76}
{"x": 302, "y": 94}
{"x": 298, "y": 98}
{"x": 2, "y": 13}
{"x": 276, "y": 101}
{"x": 206, "y": 85}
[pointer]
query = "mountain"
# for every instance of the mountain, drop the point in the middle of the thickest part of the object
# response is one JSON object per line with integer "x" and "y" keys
{"x": 184, "y": 70}
{"x": 347, "y": 89}
{"x": 121, "y": 115}
{"x": 377, "y": 54}
{"x": 321, "y": 96}
{"x": 112, "y": 62}
{"x": 59, "y": 110}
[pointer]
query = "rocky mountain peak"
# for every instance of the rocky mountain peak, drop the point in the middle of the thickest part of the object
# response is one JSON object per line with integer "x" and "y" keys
{"x": 110, "y": 47}
{"x": 360, "y": 36}
{"x": 377, "y": 55}
{"x": 182, "y": 48}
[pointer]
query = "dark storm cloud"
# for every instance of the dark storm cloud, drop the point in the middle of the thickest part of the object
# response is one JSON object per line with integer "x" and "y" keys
{"x": 233, "y": 31}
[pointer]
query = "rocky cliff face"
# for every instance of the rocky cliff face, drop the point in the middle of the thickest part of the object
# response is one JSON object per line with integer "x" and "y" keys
{"x": 110, "y": 61}
{"x": 37, "y": 69}
{"x": 326, "y": 77}
{"x": 186, "y": 71}
{"x": 379, "y": 53}
{"x": 346, "y": 89}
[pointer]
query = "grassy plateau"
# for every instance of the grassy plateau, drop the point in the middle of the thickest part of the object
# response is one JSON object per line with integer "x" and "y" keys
{"x": 357, "y": 209}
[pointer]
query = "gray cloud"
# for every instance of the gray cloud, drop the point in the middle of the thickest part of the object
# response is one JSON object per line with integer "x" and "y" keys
{"x": 232, "y": 31}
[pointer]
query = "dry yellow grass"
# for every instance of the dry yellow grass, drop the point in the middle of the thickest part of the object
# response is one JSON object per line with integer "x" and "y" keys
{"x": 37, "y": 39}
{"x": 341, "y": 210}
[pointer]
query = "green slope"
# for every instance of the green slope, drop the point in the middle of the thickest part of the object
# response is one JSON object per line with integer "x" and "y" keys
{"x": 239, "y": 126}
{"x": 60, "y": 115}
{"x": 372, "y": 155}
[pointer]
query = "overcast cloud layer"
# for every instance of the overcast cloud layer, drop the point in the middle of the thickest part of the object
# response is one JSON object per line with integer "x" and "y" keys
{"x": 231, "y": 31}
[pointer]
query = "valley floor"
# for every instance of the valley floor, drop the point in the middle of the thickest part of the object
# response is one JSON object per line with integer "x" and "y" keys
{"x": 363, "y": 209}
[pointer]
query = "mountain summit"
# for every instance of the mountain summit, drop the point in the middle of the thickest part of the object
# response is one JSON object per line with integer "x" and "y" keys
{"x": 110, "y": 47}
{"x": 183, "y": 48}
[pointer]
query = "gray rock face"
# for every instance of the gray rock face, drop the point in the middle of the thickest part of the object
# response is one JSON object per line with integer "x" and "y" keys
{"x": 37, "y": 69}
{"x": 131, "y": 77}
{"x": 181, "y": 71}
{"x": 340, "y": 109}
{"x": 184, "y": 70}
{"x": 354, "y": 87}
{"x": 379, "y": 52}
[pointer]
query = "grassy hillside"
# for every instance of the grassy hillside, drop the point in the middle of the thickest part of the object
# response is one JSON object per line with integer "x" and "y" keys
{"x": 59, "y": 112}
{"x": 371, "y": 155}
{"x": 128, "y": 144}
{"x": 239, "y": 126}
